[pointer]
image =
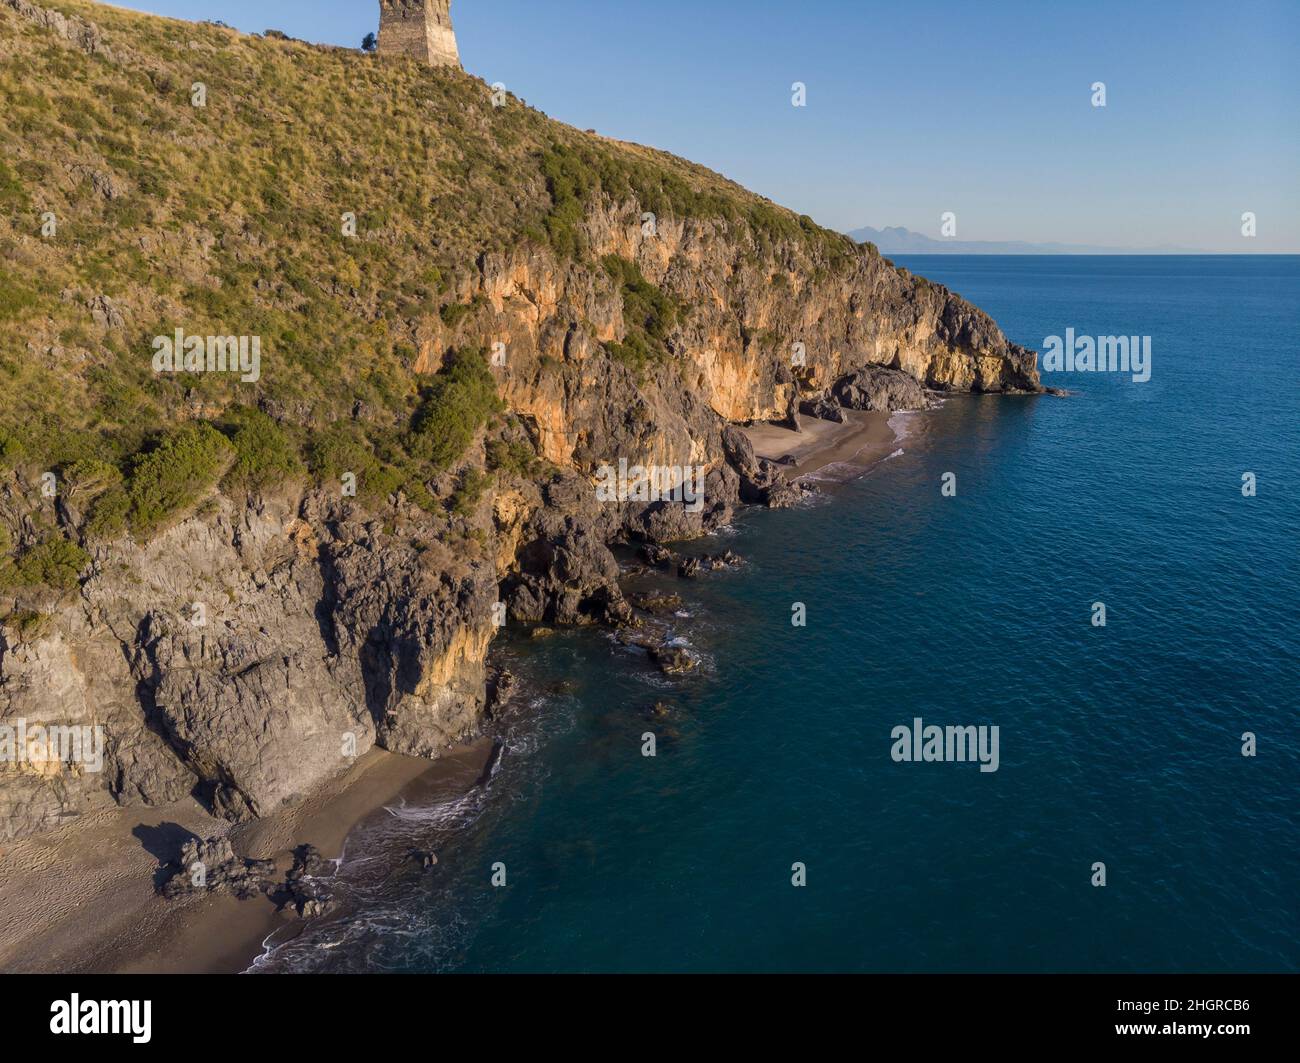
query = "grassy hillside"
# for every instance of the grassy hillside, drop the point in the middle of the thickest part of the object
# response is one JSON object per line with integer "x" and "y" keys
{"x": 228, "y": 219}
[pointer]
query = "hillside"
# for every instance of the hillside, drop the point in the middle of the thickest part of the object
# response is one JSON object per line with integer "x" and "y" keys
{"x": 379, "y": 230}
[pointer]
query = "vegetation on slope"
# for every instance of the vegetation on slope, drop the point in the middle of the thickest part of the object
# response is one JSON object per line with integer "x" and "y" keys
{"x": 232, "y": 218}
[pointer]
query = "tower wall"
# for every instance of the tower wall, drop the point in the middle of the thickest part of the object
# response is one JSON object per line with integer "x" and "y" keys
{"x": 420, "y": 29}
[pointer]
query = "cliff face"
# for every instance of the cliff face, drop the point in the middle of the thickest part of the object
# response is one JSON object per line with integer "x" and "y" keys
{"x": 265, "y": 636}
{"x": 733, "y": 356}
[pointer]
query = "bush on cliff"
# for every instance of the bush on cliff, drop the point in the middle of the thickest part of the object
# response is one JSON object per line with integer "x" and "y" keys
{"x": 184, "y": 465}
{"x": 264, "y": 454}
{"x": 56, "y": 563}
{"x": 456, "y": 404}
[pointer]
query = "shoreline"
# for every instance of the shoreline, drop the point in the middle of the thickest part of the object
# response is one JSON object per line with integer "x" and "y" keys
{"x": 82, "y": 899}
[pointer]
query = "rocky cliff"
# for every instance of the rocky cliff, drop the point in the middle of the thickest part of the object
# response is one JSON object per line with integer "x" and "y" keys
{"x": 240, "y": 637}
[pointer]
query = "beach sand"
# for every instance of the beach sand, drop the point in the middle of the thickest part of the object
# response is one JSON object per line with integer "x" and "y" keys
{"x": 863, "y": 439}
{"x": 82, "y": 898}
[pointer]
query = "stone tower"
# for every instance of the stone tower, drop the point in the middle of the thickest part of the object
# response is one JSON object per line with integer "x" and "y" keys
{"x": 420, "y": 29}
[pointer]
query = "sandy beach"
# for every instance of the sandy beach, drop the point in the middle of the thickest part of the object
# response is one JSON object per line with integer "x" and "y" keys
{"x": 82, "y": 899}
{"x": 863, "y": 439}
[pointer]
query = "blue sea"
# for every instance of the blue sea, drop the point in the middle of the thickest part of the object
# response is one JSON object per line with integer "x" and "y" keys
{"x": 1119, "y": 745}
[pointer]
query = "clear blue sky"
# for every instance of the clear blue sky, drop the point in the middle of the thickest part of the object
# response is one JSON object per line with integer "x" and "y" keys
{"x": 979, "y": 107}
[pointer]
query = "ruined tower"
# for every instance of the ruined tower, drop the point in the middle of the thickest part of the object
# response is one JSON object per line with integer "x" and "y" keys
{"x": 420, "y": 29}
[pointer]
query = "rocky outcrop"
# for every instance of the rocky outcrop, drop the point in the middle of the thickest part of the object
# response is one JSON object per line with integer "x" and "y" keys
{"x": 212, "y": 867}
{"x": 762, "y": 482}
{"x": 823, "y": 409}
{"x": 307, "y": 887}
{"x": 246, "y": 657}
{"x": 874, "y": 387}
{"x": 78, "y": 32}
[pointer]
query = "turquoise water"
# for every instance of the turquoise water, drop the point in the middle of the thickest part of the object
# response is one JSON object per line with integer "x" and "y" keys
{"x": 1119, "y": 744}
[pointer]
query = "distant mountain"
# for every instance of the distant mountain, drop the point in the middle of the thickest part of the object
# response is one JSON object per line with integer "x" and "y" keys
{"x": 897, "y": 240}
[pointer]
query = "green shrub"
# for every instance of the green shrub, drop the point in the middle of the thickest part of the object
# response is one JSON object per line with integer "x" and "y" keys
{"x": 634, "y": 352}
{"x": 343, "y": 448}
{"x": 452, "y": 313}
{"x": 645, "y": 307}
{"x": 26, "y": 624}
{"x": 107, "y": 517}
{"x": 89, "y": 477}
{"x": 56, "y": 563}
{"x": 264, "y": 455}
{"x": 514, "y": 457}
{"x": 468, "y": 491}
{"x": 11, "y": 449}
{"x": 456, "y": 404}
{"x": 340, "y": 448}
{"x": 183, "y": 467}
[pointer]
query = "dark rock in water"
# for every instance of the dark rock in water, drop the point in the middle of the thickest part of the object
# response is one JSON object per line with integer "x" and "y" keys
{"x": 569, "y": 579}
{"x": 692, "y": 567}
{"x": 782, "y": 494}
{"x": 674, "y": 660}
{"x": 875, "y": 387}
{"x": 787, "y": 459}
{"x": 656, "y": 603}
{"x": 639, "y": 637}
{"x": 654, "y": 554}
{"x": 660, "y": 710}
{"x": 823, "y": 409}
{"x": 212, "y": 867}
{"x": 309, "y": 894}
{"x": 489, "y": 769}
{"x": 541, "y": 632}
{"x": 424, "y": 858}
{"x": 500, "y": 687}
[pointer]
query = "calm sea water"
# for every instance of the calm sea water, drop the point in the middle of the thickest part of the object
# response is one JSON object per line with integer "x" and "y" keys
{"x": 1119, "y": 744}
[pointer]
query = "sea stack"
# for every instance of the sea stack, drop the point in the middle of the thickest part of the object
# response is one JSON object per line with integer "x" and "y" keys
{"x": 420, "y": 29}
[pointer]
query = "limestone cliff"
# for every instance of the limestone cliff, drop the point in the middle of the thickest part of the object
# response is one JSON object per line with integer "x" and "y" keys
{"x": 254, "y": 637}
